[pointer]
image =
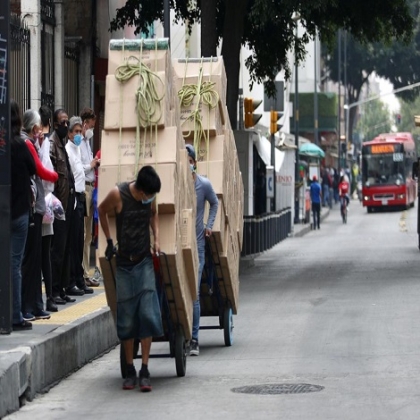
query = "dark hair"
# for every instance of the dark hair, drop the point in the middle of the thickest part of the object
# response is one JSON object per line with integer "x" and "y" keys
{"x": 45, "y": 114}
{"x": 341, "y": 179}
{"x": 148, "y": 181}
{"x": 15, "y": 118}
{"x": 87, "y": 114}
{"x": 57, "y": 113}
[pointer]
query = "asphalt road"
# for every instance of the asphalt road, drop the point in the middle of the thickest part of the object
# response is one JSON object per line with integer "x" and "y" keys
{"x": 337, "y": 308}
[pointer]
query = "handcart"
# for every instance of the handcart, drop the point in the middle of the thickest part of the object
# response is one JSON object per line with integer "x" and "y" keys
{"x": 172, "y": 328}
{"x": 213, "y": 293}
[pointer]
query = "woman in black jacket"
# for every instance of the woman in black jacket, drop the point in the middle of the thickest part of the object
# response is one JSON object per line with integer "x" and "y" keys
{"x": 23, "y": 167}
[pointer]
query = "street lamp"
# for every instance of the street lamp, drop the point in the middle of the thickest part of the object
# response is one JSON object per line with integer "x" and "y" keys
{"x": 296, "y": 18}
{"x": 347, "y": 107}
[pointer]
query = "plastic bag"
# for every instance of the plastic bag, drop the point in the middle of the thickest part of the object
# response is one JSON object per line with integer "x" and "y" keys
{"x": 58, "y": 209}
{"x": 44, "y": 156}
{"x": 48, "y": 217}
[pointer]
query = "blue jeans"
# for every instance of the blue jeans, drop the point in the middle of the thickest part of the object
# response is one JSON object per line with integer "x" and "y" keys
{"x": 196, "y": 309}
{"x": 18, "y": 241}
{"x": 326, "y": 195}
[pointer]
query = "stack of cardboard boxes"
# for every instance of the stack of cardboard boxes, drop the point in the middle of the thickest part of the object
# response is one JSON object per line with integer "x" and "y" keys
{"x": 217, "y": 157}
{"x": 128, "y": 143}
{"x": 159, "y": 140}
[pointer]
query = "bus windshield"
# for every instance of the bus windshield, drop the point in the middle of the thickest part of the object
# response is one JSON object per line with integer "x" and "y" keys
{"x": 383, "y": 169}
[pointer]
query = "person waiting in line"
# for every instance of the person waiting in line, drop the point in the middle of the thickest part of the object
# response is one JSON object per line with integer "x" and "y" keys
{"x": 316, "y": 198}
{"x": 32, "y": 304}
{"x": 138, "y": 310}
{"x": 22, "y": 169}
{"x": 204, "y": 192}
{"x": 77, "y": 281}
{"x": 90, "y": 163}
{"x": 47, "y": 228}
{"x": 65, "y": 192}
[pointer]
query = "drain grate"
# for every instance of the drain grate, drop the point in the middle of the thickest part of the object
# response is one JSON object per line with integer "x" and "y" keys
{"x": 276, "y": 389}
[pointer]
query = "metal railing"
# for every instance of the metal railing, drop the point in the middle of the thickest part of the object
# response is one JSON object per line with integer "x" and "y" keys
{"x": 20, "y": 58}
{"x": 264, "y": 231}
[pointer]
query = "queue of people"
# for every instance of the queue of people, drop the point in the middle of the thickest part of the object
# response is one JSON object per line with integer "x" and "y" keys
{"x": 52, "y": 187}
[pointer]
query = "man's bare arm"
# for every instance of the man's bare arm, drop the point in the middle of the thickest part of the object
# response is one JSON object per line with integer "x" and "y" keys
{"x": 154, "y": 224}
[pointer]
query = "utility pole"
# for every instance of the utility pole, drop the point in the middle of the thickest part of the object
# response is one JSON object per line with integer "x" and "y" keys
{"x": 5, "y": 176}
{"x": 339, "y": 102}
{"x": 166, "y": 20}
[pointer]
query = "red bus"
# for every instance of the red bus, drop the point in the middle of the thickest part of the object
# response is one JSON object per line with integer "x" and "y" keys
{"x": 387, "y": 177}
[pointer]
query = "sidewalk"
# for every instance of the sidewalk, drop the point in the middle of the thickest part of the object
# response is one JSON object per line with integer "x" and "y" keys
{"x": 33, "y": 361}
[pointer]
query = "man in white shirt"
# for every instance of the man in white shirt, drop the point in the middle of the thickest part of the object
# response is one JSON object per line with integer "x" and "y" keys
{"x": 77, "y": 282}
{"x": 89, "y": 165}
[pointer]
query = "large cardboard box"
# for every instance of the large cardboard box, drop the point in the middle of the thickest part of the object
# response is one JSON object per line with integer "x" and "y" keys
{"x": 154, "y": 53}
{"x": 190, "y": 71}
{"x": 152, "y": 146}
{"x": 121, "y": 103}
{"x": 199, "y": 119}
{"x": 168, "y": 198}
{"x": 189, "y": 250}
{"x": 219, "y": 229}
{"x": 188, "y": 195}
{"x": 214, "y": 151}
{"x": 108, "y": 271}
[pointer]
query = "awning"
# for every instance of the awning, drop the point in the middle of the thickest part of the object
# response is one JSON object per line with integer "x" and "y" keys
{"x": 263, "y": 146}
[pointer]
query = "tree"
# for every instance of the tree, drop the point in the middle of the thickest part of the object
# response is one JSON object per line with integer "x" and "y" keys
{"x": 376, "y": 119}
{"x": 399, "y": 62}
{"x": 267, "y": 28}
{"x": 408, "y": 110}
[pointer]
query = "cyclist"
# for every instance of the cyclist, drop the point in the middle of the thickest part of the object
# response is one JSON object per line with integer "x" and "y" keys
{"x": 343, "y": 189}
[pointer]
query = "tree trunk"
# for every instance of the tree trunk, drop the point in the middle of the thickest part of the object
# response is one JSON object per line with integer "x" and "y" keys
{"x": 232, "y": 39}
{"x": 208, "y": 28}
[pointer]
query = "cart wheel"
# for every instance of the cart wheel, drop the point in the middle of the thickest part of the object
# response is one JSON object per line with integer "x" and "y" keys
{"x": 123, "y": 363}
{"x": 228, "y": 326}
{"x": 180, "y": 353}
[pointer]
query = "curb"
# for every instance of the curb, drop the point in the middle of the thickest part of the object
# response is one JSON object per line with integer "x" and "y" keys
{"x": 27, "y": 370}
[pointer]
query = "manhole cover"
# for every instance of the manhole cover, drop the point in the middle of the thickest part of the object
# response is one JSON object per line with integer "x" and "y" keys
{"x": 275, "y": 389}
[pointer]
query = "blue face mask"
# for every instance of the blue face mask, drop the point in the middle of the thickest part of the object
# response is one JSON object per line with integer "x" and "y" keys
{"x": 149, "y": 200}
{"x": 192, "y": 167}
{"x": 77, "y": 139}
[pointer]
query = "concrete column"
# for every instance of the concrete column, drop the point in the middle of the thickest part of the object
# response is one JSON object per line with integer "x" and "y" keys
{"x": 85, "y": 77}
{"x": 59, "y": 54}
{"x": 31, "y": 10}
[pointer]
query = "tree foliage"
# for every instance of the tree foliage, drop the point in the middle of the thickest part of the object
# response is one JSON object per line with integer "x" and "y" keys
{"x": 267, "y": 28}
{"x": 375, "y": 119}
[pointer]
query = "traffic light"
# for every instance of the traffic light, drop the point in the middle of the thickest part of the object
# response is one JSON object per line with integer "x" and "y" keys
{"x": 250, "y": 105}
{"x": 274, "y": 117}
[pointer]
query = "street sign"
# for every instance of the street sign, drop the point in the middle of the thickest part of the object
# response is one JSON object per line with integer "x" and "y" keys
{"x": 277, "y": 103}
{"x": 269, "y": 173}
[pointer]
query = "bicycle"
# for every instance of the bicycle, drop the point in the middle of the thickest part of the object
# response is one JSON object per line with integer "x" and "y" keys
{"x": 343, "y": 208}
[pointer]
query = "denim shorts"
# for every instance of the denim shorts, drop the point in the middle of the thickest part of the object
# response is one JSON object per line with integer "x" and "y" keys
{"x": 138, "y": 310}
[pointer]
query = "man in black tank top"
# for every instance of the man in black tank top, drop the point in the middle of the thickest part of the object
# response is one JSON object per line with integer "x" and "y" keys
{"x": 138, "y": 310}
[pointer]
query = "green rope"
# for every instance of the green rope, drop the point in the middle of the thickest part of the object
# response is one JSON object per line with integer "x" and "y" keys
{"x": 149, "y": 103}
{"x": 206, "y": 95}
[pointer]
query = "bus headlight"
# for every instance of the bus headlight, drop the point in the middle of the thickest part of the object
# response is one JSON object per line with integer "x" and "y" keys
{"x": 366, "y": 198}
{"x": 400, "y": 196}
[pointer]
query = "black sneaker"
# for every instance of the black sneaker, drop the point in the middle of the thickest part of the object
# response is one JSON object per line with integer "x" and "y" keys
{"x": 194, "y": 348}
{"x": 144, "y": 382}
{"x": 42, "y": 315}
{"x": 130, "y": 380}
{"x": 27, "y": 316}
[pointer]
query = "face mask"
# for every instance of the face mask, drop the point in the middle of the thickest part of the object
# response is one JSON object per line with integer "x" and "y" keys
{"x": 89, "y": 133}
{"x": 62, "y": 131}
{"x": 192, "y": 167}
{"x": 149, "y": 200}
{"x": 77, "y": 139}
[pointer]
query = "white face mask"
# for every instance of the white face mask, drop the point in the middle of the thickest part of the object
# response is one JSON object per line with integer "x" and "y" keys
{"x": 89, "y": 134}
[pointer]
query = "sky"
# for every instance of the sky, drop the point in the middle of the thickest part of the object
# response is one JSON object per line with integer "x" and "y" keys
{"x": 390, "y": 100}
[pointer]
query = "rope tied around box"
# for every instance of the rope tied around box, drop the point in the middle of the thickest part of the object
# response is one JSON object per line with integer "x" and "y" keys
{"x": 207, "y": 96}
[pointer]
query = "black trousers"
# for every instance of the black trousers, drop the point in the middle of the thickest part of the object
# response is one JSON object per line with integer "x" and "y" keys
{"x": 60, "y": 251}
{"x": 31, "y": 269}
{"x": 46, "y": 264}
{"x": 316, "y": 210}
{"x": 77, "y": 241}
